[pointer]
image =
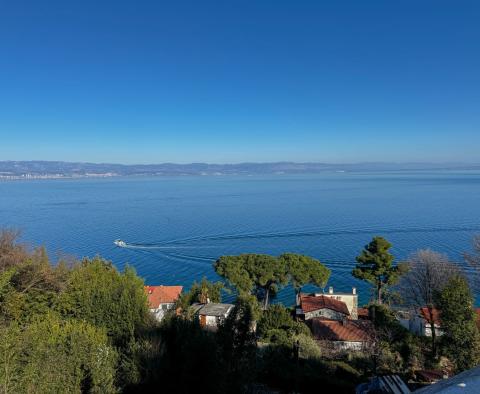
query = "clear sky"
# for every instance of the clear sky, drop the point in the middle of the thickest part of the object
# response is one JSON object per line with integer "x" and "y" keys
{"x": 233, "y": 81}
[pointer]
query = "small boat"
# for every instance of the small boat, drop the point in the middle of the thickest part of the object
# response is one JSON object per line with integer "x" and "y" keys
{"x": 120, "y": 243}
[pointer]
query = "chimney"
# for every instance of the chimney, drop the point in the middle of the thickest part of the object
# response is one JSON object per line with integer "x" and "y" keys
{"x": 354, "y": 290}
{"x": 330, "y": 290}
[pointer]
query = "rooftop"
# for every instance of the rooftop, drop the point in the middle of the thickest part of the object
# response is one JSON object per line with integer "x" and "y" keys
{"x": 347, "y": 330}
{"x": 434, "y": 315}
{"x": 157, "y": 295}
{"x": 310, "y": 303}
{"x": 214, "y": 309}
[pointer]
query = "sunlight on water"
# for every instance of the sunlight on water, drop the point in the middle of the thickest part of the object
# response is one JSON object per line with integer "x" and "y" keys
{"x": 174, "y": 228}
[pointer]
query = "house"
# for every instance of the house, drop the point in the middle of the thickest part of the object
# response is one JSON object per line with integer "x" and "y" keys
{"x": 421, "y": 322}
{"x": 312, "y": 306}
{"x": 212, "y": 314}
{"x": 343, "y": 335}
{"x": 162, "y": 298}
{"x": 350, "y": 300}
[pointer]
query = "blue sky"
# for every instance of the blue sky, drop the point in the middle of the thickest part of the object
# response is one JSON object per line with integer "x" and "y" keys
{"x": 233, "y": 81}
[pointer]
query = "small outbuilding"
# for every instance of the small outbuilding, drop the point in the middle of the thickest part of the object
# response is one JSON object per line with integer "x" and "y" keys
{"x": 211, "y": 315}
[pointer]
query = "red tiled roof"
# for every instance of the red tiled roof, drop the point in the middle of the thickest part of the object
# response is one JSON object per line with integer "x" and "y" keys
{"x": 434, "y": 315}
{"x": 162, "y": 294}
{"x": 310, "y": 303}
{"x": 347, "y": 330}
{"x": 363, "y": 313}
{"x": 430, "y": 315}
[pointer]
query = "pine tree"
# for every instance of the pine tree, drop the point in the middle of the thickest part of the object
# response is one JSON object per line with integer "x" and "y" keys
{"x": 375, "y": 265}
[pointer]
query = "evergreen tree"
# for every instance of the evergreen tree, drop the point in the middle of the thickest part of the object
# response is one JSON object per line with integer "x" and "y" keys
{"x": 259, "y": 274}
{"x": 461, "y": 338}
{"x": 303, "y": 270}
{"x": 375, "y": 265}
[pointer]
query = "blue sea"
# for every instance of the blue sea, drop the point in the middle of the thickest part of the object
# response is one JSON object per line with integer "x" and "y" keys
{"x": 177, "y": 226}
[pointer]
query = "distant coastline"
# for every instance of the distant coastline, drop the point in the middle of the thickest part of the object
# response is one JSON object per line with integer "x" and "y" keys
{"x": 32, "y": 170}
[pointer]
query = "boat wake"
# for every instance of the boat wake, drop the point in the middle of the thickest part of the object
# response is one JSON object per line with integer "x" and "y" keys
{"x": 198, "y": 242}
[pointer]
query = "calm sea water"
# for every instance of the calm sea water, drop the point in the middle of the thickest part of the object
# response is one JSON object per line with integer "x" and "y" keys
{"x": 181, "y": 225}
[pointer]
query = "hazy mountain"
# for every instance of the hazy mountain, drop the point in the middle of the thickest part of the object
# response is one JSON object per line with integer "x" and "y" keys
{"x": 38, "y": 169}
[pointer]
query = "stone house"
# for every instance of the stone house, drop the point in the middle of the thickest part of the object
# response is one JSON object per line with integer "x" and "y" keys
{"x": 312, "y": 306}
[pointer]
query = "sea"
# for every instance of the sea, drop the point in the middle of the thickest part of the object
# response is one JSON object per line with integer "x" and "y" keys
{"x": 176, "y": 227}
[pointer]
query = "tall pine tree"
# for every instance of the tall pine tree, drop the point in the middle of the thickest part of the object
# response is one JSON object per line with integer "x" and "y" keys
{"x": 375, "y": 265}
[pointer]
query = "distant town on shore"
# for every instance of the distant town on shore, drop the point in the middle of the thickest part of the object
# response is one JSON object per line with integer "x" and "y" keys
{"x": 61, "y": 169}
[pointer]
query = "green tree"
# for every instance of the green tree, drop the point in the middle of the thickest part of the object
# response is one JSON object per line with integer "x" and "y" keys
{"x": 237, "y": 345}
{"x": 189, "y": 360}
{"x": 375, "y": 265}
{"x": 54, "y": 356}
{"x": 202, "y": 292}
{"x": 100, "y": 295}
{"x": 461, "y": 338}
{"x": 303, "y": 270}
{"x": 277, "y": 325}
{"x": 259, "y": 274}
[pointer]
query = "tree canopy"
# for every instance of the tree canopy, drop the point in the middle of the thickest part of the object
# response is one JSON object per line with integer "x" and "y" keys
{"x": 259, "y": 274}
{"x": 375, "y": 265}
{"x": 202, "y": 292}
{"x": 303, "y": 270}
{"x": 461, "y": 338}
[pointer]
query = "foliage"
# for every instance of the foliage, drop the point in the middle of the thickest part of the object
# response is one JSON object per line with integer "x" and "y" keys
{"x": 104, "y": 297}
{"x": 52, "y": 356}
{"x": 277, "y": 325}
{"x": 202, "y": 292}
{"x": 375, "y": 265}
{"x": 253, "y": 273}
{"x": 237, "y": 344}
{"x": 428, "y": 273}
{"x": 281, "y": 369}
{"x": 304, "y": 270}
{"x": 188, "y": 358}
{"x": 307, "y": 346}
{"x": 461, "y": 339}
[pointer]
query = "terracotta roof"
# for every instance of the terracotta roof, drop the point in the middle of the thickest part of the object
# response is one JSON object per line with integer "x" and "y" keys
{"x": 430, "y": 315}
{"x": 347, "y": 330}
{"x": 310, "y": 303}
{"x": 162, "y": 294}
{"x": 435, "y": 315}
{"x": 363, "y": 313}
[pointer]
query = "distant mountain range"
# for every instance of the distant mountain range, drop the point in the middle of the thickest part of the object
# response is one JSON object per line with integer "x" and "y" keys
{"x": 60, "y": 169}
